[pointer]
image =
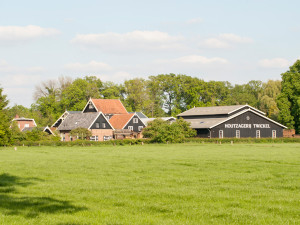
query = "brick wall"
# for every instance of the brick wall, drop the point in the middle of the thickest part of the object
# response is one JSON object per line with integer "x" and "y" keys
{"x": 101, "y": 133}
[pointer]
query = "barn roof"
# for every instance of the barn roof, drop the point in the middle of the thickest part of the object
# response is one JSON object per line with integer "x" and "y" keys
{"x": 109, "y": 106}
{"x": 215, "y": 110}
{"x": 212, "y": 122}
{"x": 76, "y": 120}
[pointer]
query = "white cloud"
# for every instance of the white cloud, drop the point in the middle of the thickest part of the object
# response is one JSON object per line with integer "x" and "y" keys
{"x": 225, "y": 41}
{"x": 25, "y": 33}
{"x": 275, "y": 63}
{"x": 136, "y": 40}
{"x": 5, "y": 67}
{"x": 198, "y": 59}
{"x": 235, "y": 38}
{"x": 92, "y": 66}
{"x": 194, "y": 21}
{"x": 215, "y": 43}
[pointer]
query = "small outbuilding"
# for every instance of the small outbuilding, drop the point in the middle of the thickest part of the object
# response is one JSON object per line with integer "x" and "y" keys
{"x": 240, "y": 121}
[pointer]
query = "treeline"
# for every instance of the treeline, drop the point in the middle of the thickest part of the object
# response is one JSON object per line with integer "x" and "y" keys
{"x": 166, "y": 95}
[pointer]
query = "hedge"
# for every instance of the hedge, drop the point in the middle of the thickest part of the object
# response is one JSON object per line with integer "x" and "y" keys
{"x": 148, "y": 141}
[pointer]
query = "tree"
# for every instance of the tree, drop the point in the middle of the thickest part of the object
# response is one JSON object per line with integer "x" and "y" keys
{"x": 110, "y": 90}
{"x": 81, "y": 133}
{"x": 268, "y": 96}
{"x": 289, "y": 99}
{"x": 163, "y": 131}
{"x": 5, "y": 132}
{"x": 136, "y": 94}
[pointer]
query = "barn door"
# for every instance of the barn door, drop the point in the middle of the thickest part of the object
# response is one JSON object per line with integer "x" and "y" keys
{"x": 273, "y": 133}
{"x": 220, "y": 133}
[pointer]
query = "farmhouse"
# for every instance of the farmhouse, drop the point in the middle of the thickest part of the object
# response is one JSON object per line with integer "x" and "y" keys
{"x": 105, "y": 118}
{"x": 238, "y": 121}
{"x": 97, "y": 123}
{"x": 24, "y": 122}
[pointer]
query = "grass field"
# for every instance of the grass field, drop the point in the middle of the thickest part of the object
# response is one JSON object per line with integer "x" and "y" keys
{"x": 151, "y": 184}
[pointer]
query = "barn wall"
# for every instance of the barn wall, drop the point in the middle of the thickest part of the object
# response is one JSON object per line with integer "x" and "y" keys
{"x": 247, "y": 132}
{"x": 203, "y": 133}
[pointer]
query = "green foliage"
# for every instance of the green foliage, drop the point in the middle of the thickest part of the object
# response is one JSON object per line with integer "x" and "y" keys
{"x": 81, "y": 133}
{"x": 5, "y": 132}
{"x": 289, "y": 99}
{"x": 162, "y": 131}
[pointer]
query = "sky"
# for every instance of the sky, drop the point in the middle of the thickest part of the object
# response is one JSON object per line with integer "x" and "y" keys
{"x": 233, "y": 40}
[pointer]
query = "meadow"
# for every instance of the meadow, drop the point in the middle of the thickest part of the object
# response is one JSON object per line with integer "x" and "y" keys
{"x": 151, "y": 184}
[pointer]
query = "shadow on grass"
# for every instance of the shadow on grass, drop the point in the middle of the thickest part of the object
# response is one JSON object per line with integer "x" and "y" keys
{"x": 29, "y": 206}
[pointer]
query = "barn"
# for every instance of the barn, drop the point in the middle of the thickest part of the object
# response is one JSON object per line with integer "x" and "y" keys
{"x": 239, "y": 121}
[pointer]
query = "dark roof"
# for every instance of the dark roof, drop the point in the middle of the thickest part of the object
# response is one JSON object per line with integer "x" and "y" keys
{"x": 203, "y": 123}
{"x": 140, "y": 114}
{"x": 73, "y": 112}
{"x": 77, "y": 120}
{"x": 215, "y": 110}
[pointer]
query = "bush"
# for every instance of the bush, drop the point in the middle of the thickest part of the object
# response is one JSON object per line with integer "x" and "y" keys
{"x": 161, "y": 131}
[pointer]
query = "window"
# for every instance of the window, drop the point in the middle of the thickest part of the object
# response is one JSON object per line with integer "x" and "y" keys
{"x": 130, "y": 127}
{"x": 220, "y": 133}
{"x": 140, "y": 128}
{"x": 135, "y": 120}
{"x": 103, "y": 125}
{"x": 91, "y": 106}
{"x": 258, "y": 134}
{"x": 106, "y": 138}
{"x": 26, "y": 125}
{"x": 94, "y": 138}
{"x": 97, "y": 125}
{"x": 237, "y": 134}
{"x": 273, "y": 133}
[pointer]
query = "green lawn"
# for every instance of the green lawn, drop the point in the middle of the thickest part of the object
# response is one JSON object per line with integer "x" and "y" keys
{"x": 151, "y": 184}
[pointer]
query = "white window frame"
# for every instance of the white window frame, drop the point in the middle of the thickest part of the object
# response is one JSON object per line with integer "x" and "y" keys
{"x": 103, "y": 125}
{"x": 135, "y": 120}
{"x": 257, "y": 133}
{"x": 130, "y": 128}
{"x": 274, "y": 134}
{"x": 237, "y": 133}
{"x": 97, "y": 125}
{"x": 91, "y": 106}
{"x": 221, "y": 133}
{"x": 26, "y": 125}
{"x": 140, "y": 128}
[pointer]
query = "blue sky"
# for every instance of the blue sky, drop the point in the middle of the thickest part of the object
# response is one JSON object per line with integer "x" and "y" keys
{"x": 236, "y": 41}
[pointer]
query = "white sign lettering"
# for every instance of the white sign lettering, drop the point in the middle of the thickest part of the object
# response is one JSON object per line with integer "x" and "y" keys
{"x": 237, "y": 125}
{"x": 247, "y": 126}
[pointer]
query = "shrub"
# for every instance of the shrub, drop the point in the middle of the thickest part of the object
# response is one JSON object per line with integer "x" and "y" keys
{"x": 163, "y": 131}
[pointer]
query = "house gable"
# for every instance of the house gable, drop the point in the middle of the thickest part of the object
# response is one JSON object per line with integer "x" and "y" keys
{"x": 135, "y": 126}
{"x": 90, "y": 107}
{"x": 101, "y": 123}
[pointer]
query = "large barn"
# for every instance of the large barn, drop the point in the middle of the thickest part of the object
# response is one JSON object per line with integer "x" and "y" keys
{"x": 238, "y": 121}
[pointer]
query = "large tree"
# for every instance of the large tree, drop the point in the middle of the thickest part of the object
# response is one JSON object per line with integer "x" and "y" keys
{"x": 289, "y": 99}
{"x": 5, "y": 132}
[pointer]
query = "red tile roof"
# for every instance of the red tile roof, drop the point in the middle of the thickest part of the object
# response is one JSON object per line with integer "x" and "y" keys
{"x": 109, "y": 106}
{"x": 120, "y": 120}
